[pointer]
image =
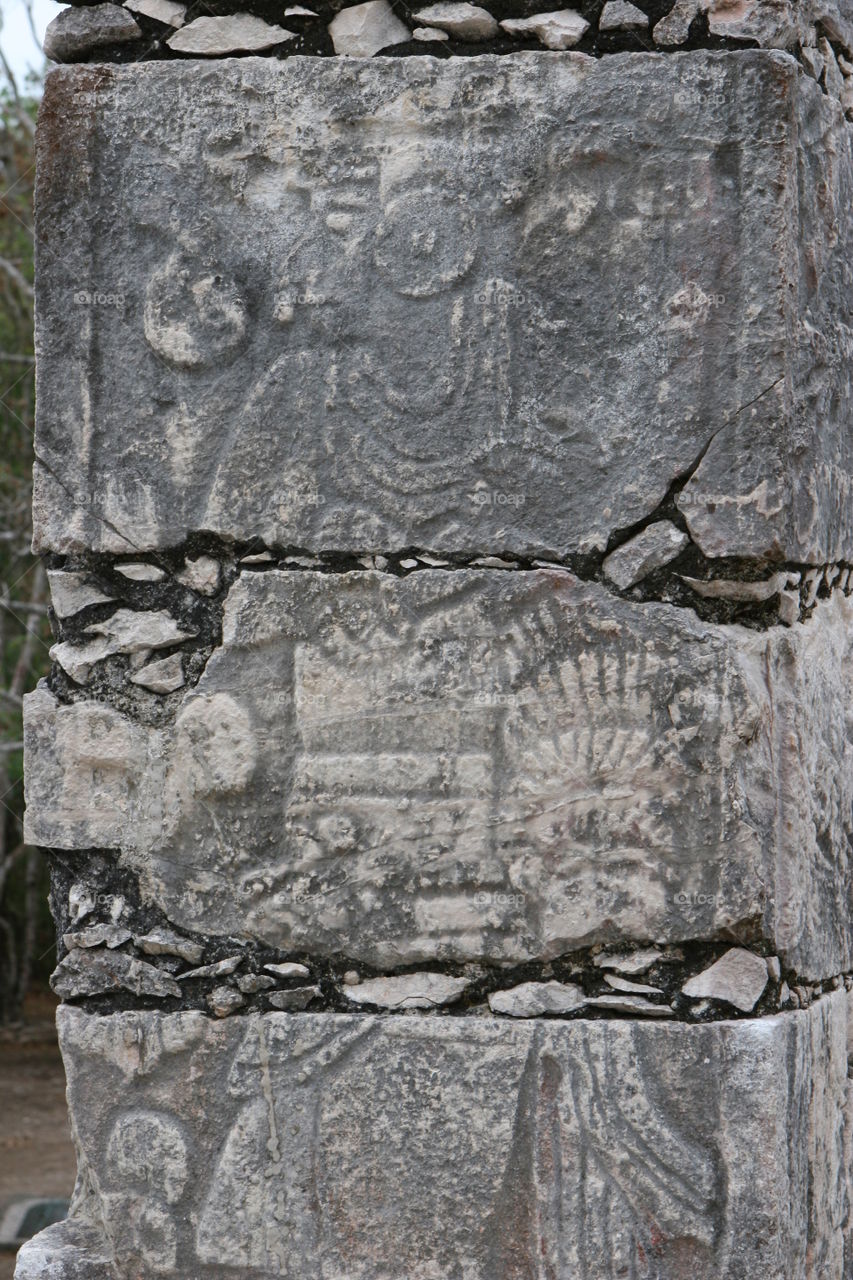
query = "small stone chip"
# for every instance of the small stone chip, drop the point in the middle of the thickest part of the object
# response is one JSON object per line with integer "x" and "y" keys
{"x": 562, "y": 29}
{"x": 363, "y": 29}
{"x": 223, "y": 1001}
{"x": 70, "y": 592}
{"x": 130, "y": 631}
{"x": 97, "y": 935}
{"x": 91, "y": 973}
{"x": 290, "y": 969}
{"x": 165, "y": 11}
{"x": 733, "y": 589}
{"x": 463, "y": 21}
{"x": 237, "y": 33}
{"x": 217, "y": 970}
{"x": 633, "y": 988}
{"x": 201, "y": 574}
{"x": 408, "y": 991}
{"x": 789, "y": 607}
{"x": 674, "y": 27}
{"x": 633, "y": 962}
{"x": 530, "y": 999}
{"x": 427, "y": 34}
{"x": 163, "y": 942}
{"x": 140, "y": 570}
{"x": 295, "y": 1000}
{"x": 618, "y": 15}
{"x": 630, "y": 1004}
{"x": 164, "y": 676}
{"x": 76, "y": 32}
{"x": 251, "y": 983}
{"x": 737, "y": 978}
{"x": 650, "y": 549}
{"x": 493, "y": 562}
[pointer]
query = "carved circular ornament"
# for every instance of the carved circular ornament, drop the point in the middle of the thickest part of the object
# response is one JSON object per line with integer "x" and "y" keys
{"x": 425, "y": 243}
{"x": 193, "y": 317}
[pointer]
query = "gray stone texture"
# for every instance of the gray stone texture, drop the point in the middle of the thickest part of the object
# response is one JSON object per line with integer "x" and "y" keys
{"x": 309, "y": 1147}
{"x": 76, "y": 33}
{"x": 476, "y": 765}
{"x": 408, "y": 302}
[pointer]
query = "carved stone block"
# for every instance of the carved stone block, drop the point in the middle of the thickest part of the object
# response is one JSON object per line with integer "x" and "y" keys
{"x": 467, "y": 307}
{"x": 418, "y": 1148}
{"x": 475, "y": 765}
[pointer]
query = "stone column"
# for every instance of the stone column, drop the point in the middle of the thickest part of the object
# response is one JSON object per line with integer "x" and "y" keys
{"x": 443, "y": 474}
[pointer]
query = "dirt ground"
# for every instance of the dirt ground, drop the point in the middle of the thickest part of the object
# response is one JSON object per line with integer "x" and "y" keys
{"x": 36, "y": 1155}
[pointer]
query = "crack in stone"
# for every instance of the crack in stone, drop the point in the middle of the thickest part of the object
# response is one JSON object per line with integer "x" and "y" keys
{"x": 103, "y": 892}
{"x": 110, "y": 678}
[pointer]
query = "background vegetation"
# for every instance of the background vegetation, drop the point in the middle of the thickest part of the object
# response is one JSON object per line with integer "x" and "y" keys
{"x": 26, "y": 934}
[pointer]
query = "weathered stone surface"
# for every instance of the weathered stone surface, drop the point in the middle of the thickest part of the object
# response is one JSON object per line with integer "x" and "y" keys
{"x": 778, "y": 24}
{"x": 738, "y": 978}
{"x": 223, "y": 1001}
{"x": 476, "y": 765}
{"x": 459, "y": 19}
{"x": 201, "y": 574}
{"x": 362, "y": 30}
{"x": 530, "y": 999}
{"x": 128, "y": 631}
{"x": 167, "y": 11}
{"x": 641, "y": 555}
{"x": 70, "y": 592}
{"x": 76, "y": 32}
{"x": 288, "y": 970}
{"x": 266, "y": 1145}
{"x": 294, "y": 1000}
{"x": 409, "y": 991}
{"x": 213, "y": 37}
{"x": 140, "y": 571}
{"x": 562, "y": 29}
{"x": 163, "y": 676}
{"x": 429, "y": 33}
{"x": 739, "y": 590}
{"x": 619, "y": 15}
{"x": 638, "y": 1006}
{"x": 632, "y": 988}
{"x": 92, "y": 973}
{"x": 632, "y": 962}
{"x": 164, "y": 942}
{"x": 98, "y": 935}
{"x": 301, "y": 371}
{"x": 773, "y": 24}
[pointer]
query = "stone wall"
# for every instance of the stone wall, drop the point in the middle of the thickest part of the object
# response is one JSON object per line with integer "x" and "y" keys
{"x": 443, "y": 474}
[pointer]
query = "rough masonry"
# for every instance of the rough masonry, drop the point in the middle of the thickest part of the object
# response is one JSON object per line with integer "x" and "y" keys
{"x": 442, "y": 472}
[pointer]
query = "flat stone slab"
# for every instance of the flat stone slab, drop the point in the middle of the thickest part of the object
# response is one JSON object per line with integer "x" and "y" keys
{"x": 477, "y": 341}
{"x": 475, "y": 765}
{"x": 415, "y": 1147}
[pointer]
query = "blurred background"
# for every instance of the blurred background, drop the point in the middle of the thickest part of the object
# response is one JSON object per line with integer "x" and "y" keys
{"x": 36, "y": 1159}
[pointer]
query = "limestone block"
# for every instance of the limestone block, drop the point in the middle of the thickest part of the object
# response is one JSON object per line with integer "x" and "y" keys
{"x": 415, "y": 1147}
{"x": 474, "y": 765}
{"x": 425, "y": 303}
